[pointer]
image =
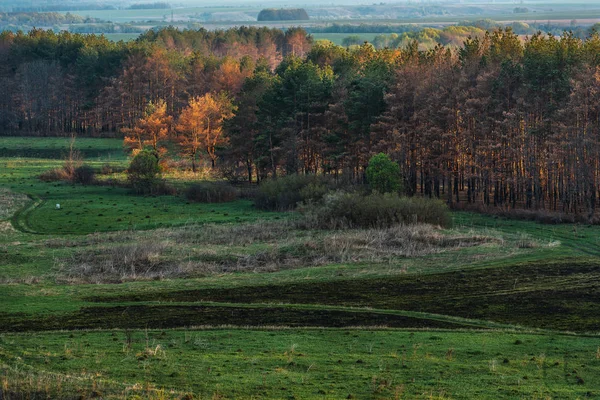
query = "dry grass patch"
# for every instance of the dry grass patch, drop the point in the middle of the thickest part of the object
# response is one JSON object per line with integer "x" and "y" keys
{"x": 10, "y": 202}
{"x": 140, "y": 260}
{"x": 233, "y": 235}
{"x": 196, "y": 251}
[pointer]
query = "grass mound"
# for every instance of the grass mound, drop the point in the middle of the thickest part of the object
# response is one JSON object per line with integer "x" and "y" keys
{"x": 259, "y": 247}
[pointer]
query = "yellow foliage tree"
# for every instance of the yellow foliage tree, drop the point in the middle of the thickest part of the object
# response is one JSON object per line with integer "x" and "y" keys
{"x": 151, "y": 130}
{"x": 200, "y": 125}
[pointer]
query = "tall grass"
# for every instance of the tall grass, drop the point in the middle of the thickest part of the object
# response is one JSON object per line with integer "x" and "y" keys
{"x": 258, "y": 247}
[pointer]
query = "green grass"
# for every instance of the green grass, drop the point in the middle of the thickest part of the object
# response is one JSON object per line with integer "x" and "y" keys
{"x": 316, "y": 363}
{"x": 89, "y": 209}
{"x": 486, "y": 320}
{"x": 55, "y": 148}
{"x": 99, "y": 209}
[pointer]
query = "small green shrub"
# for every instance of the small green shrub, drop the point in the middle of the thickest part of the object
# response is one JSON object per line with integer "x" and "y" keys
{"x": 143, "y": 172}
{"x": 84, "y": 175}
{"x": 211, "y": 192}
{"x": 383, "y": 174}
{"x": 286, "y": 192}
{"x": 340, "y": 210}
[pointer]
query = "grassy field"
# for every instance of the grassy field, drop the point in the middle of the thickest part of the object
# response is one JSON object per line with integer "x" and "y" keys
{"x": 117, "y": 295}
{"x": 323, "y": 363}
{"x": 228, "y": 15}
{"x": 95, "y": 208}
{"x": 158, "y": 14}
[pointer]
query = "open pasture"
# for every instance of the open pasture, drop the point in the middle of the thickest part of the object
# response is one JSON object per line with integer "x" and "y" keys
{"x": 180, "y": 300}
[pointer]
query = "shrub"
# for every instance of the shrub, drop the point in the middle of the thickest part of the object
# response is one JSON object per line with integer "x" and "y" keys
{"x": 211, "y": 192}
{"x": 140, "y": 260}
{"x": 383, "y": 174}
{"x": 163, "y": 188}
{"x": 247, "y": 191}
{"x": 143, "y": 172}
{"x": 106, "y": 169}
{"x": 54, "y": 175}
{"x": 353, "y": 210}
{"x": 84, "y": 175}
{"x": 286, "y": 192}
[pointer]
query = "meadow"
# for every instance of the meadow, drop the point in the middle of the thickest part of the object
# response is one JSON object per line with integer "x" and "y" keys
{"x": 118, "y": 295}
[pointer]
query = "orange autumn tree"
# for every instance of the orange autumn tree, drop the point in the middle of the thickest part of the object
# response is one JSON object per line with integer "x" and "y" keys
{"x": 151, "y": 130}
{"x": 200, "y": 126}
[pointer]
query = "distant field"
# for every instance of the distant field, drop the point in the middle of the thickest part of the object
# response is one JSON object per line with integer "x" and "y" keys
{"x": 587, "y": 12}
{"x": 158, "y": 14}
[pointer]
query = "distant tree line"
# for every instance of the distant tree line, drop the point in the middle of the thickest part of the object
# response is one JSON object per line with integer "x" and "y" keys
{"x": 283, "y": 14}
{"x": 71, "y": 6}
{"x": 499, "y": 120}
{"x": 43, "y": 19}
{"x": 105, "y": 28}
{"x": 364, "y": 28}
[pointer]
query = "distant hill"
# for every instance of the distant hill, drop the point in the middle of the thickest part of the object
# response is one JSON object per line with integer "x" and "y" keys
{"x": 283, "y": 14}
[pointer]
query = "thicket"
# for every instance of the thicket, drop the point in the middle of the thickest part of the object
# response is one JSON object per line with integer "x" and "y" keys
{"x": 211, "y": 192}
{"x": 340, "y": 210}
{"x": 285, "y": 193}
{"x": 84, "y": 175}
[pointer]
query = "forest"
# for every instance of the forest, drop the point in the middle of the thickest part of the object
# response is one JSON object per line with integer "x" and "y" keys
{"x": 500, "y": 121}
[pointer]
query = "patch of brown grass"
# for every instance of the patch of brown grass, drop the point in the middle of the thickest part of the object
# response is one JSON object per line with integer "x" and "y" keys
{"x": 258, "y": 247}
{"x": 10, "y": 202}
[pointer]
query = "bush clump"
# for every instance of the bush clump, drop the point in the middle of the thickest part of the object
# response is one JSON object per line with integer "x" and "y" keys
{"x": 211, "y": 192}
{"x": 143, "y": 172}
{"x": 54, "y": 175}
{"x": 283, "y": 194}
{"x": 340, "y": 210}
{"x": 84, "y": 175}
